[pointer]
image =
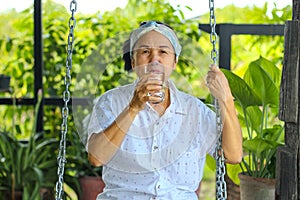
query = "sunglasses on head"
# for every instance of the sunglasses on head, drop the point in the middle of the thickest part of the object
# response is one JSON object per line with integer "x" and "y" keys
{"x": 153, "y": 23}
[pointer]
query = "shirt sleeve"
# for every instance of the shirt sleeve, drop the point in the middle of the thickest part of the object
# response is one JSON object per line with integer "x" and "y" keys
{"x": 102, "y": 115}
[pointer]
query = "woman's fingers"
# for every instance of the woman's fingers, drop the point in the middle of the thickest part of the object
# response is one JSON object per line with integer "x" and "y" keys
{"x": 145, "y": 86}
{"x": 217, "y": 83}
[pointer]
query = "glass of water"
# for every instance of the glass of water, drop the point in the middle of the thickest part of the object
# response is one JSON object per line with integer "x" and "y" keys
{"x": 156, "y": 71}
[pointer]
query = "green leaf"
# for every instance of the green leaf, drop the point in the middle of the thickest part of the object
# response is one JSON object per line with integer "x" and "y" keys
{"x": 210, "y": 162}
{"x": 9, "y": 44}
{"x": 257, "y": 145}
{"x": 39, "y": 174}
{"x": 254, "y": 116}
{"x": 274, "y": 134}
{"x": 240, "y": 90}
{"x": 18, "y": 129}
{"x": 271, "y": 70}
{"x": 233, "y": 171}
{"x": 261, "y": 82}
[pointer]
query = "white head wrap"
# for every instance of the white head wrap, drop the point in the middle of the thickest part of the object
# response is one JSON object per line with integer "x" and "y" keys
{"x": 158, "y": 27}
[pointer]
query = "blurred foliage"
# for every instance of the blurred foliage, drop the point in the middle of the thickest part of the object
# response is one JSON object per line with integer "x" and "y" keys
{"x": 97, "y": 52}
{"x": 246, "y": 48}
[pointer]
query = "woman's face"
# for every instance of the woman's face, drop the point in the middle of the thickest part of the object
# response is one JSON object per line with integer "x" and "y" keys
{"x": 153, "y": 47}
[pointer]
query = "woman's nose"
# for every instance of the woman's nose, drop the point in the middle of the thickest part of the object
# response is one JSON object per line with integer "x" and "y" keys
{"x": 155, "y": 57}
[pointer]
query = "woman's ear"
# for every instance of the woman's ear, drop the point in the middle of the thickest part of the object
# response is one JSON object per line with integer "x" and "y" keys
{"x": 175, "y": 63}
{"x": 132, "y": 63}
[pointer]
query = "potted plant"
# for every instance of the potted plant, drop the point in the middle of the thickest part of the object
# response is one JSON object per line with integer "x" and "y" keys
{"x": 257, "y": 102}
{"x": 27, "y": 167}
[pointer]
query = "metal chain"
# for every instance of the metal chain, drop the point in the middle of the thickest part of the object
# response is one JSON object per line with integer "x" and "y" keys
{"x": 213, "y": 34}
{"x": 61, "y": 158}
{"x": 221, "y": 190}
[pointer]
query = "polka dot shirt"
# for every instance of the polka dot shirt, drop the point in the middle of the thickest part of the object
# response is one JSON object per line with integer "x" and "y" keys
{"x": 161, "y": 157}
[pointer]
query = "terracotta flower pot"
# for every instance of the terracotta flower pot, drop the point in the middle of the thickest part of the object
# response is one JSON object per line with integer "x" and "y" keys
{"x": 91, "y": 186}
{"x": 233, "y": 190}
{"x": 252, "y": 188}
{"x": 17, "y": 195}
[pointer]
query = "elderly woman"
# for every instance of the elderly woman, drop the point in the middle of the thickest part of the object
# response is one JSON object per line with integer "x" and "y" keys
{"x": 154, "y": 146}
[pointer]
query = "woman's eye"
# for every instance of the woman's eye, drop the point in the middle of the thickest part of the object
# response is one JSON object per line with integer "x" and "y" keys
{"x": 163, "y": 51}
{"x": 145, "y": 51}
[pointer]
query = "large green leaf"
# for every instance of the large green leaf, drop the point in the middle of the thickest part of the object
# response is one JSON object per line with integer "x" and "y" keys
{"x": 261, "y": 82}
{"x": 271, "y": 69}
{"x": 271, "y": 136}
{"x": 240, "y": 90}
{"x": 257, "y": 145}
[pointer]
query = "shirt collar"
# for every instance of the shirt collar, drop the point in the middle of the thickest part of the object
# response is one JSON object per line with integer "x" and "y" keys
{"x": 176, "y": 105}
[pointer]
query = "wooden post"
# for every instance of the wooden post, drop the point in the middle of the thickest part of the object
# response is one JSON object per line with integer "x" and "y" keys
{"x": 288, "y": 162}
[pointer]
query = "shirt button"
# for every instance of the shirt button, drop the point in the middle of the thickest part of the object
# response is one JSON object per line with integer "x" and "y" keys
{"x": 158, "y": 187}
{"x": 155, "y": 147}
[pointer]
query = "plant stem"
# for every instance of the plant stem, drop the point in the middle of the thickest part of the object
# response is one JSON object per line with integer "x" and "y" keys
{"x": 12, "y": 186}
{"x": 247, "y": 123}
{"x": 262, "y": 121}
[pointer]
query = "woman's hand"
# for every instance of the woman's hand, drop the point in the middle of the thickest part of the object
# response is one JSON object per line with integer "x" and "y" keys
{"x": 231, "y": 132}
{"x": 146, "y": 85}
{"x": 217, "y": 84}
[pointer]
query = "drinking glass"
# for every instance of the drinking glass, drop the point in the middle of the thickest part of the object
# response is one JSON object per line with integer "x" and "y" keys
{"x": 157, "y": 72}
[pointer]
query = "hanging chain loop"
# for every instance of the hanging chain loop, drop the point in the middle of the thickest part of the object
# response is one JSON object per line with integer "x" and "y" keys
{"x": 213, "y": 33}
{"x": 61, "y": 158}
{"x": 221, "y": 190}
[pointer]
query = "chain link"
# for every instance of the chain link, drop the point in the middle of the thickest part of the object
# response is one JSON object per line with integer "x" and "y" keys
{"x": 61, "y": 158}
{"x": 213, "y": 34}
{"x": 221, "y": 190}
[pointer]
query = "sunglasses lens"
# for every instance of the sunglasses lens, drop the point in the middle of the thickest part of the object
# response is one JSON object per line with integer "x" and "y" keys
{"x": 149, "y": 23}
{"x": 153, "y": 23}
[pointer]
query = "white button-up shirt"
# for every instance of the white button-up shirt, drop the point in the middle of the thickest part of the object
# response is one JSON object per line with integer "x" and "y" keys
{"x": 161, "y": 157}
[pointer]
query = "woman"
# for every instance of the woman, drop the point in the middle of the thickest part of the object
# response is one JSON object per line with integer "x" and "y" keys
{"x": 157, "y": 150}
